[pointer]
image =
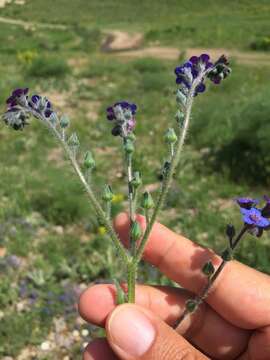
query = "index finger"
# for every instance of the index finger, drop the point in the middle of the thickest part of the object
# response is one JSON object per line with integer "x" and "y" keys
{"x": 240, "y": 294}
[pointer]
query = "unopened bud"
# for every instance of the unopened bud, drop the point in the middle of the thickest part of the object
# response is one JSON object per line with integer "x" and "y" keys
{"x": 227, "y": 255}
{"x": 136, "y": 231}
{"x": 170, "y": 136}
{"x": 89, "y": 162}
{"x": 64, "y": 121}
{"x": 137, "y": 180}
{"x": 230, "y": 231}
{"x": 179, "y": 116}
{"x": 147, "y": 201}
{"x": 181, "y": 97}
{"x": 107, "y": 193}
{"x": 131, "y": 137}
{"x": 208, "y": 268}
{"x": 191, "y": 305}
{"x": 129, "y": 147}
{"x": 73, "y": 140}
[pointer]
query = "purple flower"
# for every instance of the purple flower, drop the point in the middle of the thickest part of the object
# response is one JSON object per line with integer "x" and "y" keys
{"x": 246, "y": 202}
{"x": 253, "y": 218}
{"x": 220, "y": 70}
{"x": 123, "y": 115}
{"x": 190, "y": 70}
{"x": 17, "y": 96}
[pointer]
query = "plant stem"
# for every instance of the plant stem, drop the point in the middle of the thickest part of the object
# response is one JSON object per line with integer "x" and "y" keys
{"x": 93, "y": 200}
{"x": 131, "y": 280}
{"x": 174, "y": 161}
{"x": 199, "y": 299}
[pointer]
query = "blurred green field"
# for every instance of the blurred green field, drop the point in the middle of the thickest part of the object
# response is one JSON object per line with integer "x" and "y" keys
{"x": 51, "y": 245}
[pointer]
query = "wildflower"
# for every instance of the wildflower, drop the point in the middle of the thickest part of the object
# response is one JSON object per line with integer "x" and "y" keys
{"x": 246, "y": 202}
{"x": 190, "y": 70}
{"x": 201, "y": 65}
{"x": 220, "y": 70}
{"x": 254, "y": 219}
{"x": 18, "y": 97}
{"x": 16, "y": 118}
{"x": 123, "y": 115}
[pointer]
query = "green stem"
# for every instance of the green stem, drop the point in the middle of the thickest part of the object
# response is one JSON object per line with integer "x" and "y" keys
{"x": 174, "y": 161}
{"x": 199, "y": 299}
{"x": 131, "y": 280}
{"x": 93, "y": 200}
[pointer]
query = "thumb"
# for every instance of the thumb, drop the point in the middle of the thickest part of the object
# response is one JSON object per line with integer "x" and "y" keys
{"x": 135, "y": 333}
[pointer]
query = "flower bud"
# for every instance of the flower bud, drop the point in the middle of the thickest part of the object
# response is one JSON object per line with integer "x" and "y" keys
{"x": 107, "y": 193}
{"x": 191, "y": 305}
{"x": 181, "y": 97}
{"x": 136, "y": 231}
{"x": 179, "y": 116}
{"x": 208, "y": 268}
{"x": 230, "y": 231}
{"x": 89, "y": 161}
{"x": 227, "y": 255}
{"x": 64, "y": 121}
{"x": 137, "y": 180}
{"x": 131, "y": 137}
{"x": 147, "y": 201}
{"x": 73, "y": 140}
{"x": 170, "y": 136}
{"x": 129, "y": 147}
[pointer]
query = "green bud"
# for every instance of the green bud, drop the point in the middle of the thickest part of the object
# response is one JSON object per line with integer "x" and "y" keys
{"x": 107, "y": 193}
{"x": 179, "y": 116}
{"x": 131, "y": 137}
{"x": 180, "y": 97}
{"x": 136, "y": 231}
{"x": 129, "y": 147}
{"x": 73, "y": 140}
{"x": 147, "y": 201}
{"x": 227, "y": 255}
{"x": 208, "y": 269}
{"x": 191, "y": 305}
{"x": 170, "y": 136}
{"x": 137, "y": 180}
{"x": 64, "y": 121}
{"x": 89, "y": 162}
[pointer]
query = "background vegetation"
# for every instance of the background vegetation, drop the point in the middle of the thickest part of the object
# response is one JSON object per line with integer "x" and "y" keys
{"x": 51, "y": 246}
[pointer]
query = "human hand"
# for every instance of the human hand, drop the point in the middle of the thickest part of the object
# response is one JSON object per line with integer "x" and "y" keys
{"x": 233, "y": 323}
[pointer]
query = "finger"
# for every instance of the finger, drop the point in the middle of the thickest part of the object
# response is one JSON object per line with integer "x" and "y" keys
{"x": 259, "y": 345}
{"x": 135, "y": 333}
{"x": 205, "y": 328}
{"x": 99, "y": 349}
{"x": 240, "y": 294}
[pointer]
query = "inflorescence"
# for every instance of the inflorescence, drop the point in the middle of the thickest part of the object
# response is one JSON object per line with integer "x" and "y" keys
{"x": 255, "y": 219}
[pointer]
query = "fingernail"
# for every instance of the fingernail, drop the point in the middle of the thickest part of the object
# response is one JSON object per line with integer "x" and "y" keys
{"x": 131, "y": 330}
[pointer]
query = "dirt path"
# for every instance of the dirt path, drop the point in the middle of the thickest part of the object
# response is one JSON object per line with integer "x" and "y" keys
{"x": 128, "y": 45}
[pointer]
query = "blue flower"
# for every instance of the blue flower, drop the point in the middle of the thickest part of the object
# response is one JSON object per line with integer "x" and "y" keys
{"x": 123, "y": 115}
{"x": 246, "y": 202}
{"x": 190, "y": 70}
{"x": 253, "y": 217}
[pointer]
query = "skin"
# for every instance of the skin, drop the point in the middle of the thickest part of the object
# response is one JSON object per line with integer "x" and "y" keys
{"x": 233, "y": 323}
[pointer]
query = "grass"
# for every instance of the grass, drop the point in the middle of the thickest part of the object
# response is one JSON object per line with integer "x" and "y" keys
{"x": 211, "y": 23}
{"x": 45, "y": 218}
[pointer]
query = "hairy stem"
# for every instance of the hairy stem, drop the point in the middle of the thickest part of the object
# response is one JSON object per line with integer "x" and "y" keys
{"x": 174, "y": 161}
{"x": 93, "y": 200}
{"x": 199, "y": 299}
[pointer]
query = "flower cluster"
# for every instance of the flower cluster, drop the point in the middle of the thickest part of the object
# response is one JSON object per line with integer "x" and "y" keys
{"x": 254, "y": 218}
{"x": 201, "y": 66}
{"x": 20, "y": 106}
{"x": 123, "y": 115}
